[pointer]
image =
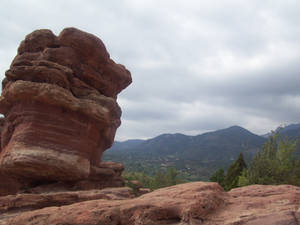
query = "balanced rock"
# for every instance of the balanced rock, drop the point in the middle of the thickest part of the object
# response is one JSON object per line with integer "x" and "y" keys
{"x": 59, "y": 106}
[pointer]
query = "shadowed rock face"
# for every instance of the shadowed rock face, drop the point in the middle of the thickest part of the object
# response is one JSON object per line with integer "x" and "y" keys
{"x": 59, "y": 106}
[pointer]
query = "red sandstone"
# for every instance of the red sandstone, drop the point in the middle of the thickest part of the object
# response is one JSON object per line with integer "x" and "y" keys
{"x": 59, "y": 106}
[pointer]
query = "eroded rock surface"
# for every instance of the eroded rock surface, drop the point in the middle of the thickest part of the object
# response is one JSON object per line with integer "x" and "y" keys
{"x": 260, "y": 204}
{"x": 60, "y": 110}
{"x": 165, "y": 206}
{"x": 196, "y": 203}
{"x": 13, "y": 205}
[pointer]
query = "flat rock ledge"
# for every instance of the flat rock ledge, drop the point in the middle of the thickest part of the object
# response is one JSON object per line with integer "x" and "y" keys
{"x": 196, "y": 203}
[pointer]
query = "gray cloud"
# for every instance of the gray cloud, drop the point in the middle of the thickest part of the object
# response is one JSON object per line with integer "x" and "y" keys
{"x": 196, "y": 65}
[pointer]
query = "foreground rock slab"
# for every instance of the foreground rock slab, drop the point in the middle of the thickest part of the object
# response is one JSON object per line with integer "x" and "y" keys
{"x": 12, "y": 205}
{"x": 165, "y": 206}
{"x": 260, "y": 204}
{"x": 194, "y": 203}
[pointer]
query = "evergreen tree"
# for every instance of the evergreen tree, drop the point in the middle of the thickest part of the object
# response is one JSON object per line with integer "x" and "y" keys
{"x": 219, "y": 177}
{"x": 275, "y": 163}
{"x": 171, "y": 177}
{"x": 235, "y": 170}
{"x": 159, "y": 180}
{"x": 243, "y": 179}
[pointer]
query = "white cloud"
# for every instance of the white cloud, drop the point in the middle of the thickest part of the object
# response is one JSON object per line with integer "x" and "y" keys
{"x": 196, "y": 65}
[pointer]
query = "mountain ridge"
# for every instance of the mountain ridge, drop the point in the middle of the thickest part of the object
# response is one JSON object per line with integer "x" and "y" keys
{"x": 291, "y": 130}
{"x": 196, "y": 156}
{"x": 177, "y": 137}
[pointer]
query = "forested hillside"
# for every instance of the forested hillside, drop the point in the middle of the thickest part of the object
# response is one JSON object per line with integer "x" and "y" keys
{"x": 194, "y": 157}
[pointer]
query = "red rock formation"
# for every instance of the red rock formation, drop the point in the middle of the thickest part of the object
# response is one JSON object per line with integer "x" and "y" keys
{"x": 30, "y": 201}
{"x": 107, "y": 174}
{"x": 260, "y": 204}
{"x": 195, "y": 203}
{"x": 59, "y": 103}
{"x": 60, "y": 109}
{"x": 8, "y": 185}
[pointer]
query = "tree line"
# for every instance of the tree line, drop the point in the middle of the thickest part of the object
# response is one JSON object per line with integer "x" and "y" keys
{"x": 163, "y": 178}
{"x": 276, "y": 163}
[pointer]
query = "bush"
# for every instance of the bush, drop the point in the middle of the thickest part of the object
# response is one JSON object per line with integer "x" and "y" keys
{"x": 161, "y": 179}
{"x": 231, "y": 179}
{"x": 276, "y": 163}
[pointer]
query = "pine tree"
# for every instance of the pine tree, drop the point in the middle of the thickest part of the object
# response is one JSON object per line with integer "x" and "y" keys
{"x": 235, "y": 170}
{"x": 275, "y": 163}
{"x": 219, "y": 177}
{"x": 171, "y": 177}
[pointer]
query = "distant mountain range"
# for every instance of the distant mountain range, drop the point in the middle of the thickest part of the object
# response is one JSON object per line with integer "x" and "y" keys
{"x": 292, "y": 131}
{"x": 209, "y": 145}
{"x": 195, "y": 155}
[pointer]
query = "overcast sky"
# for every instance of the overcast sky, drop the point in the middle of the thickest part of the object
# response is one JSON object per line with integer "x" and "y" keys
{"x": 197, "y": 65}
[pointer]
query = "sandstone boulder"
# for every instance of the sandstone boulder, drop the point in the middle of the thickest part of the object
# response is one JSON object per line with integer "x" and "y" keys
{"x": 172, "y": 205}
{"x": 197, "y": 203}
{"x": 59, "y": 106}
{"x": 260, "y": 204}
{"x": 9, "y": 185}
{"x": 107, "y": 174}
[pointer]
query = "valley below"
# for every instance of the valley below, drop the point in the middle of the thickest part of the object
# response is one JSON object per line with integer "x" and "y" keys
{"x": 194, "y": 157}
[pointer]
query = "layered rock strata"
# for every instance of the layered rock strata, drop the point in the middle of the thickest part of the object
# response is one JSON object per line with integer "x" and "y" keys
{"x": 197, "y": 203}
{"x": 59, "y": 106}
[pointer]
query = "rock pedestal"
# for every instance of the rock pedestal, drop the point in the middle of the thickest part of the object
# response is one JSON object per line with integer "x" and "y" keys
{"x": 59, "y": 106}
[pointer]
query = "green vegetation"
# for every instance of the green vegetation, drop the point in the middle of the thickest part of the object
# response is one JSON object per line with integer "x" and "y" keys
{"x": 235, "y": 170}
{"x": 188, "y": 169}
{"x": 163, "y": 178}
{"x": 275, "y": 163}
{"x": 194, "y": 157}
{"x": 231, "y": 179}
{"x": 219, "y": 177}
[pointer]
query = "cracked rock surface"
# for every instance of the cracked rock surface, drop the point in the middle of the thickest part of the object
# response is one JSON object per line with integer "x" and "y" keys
{"x": 196, "y": 203}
